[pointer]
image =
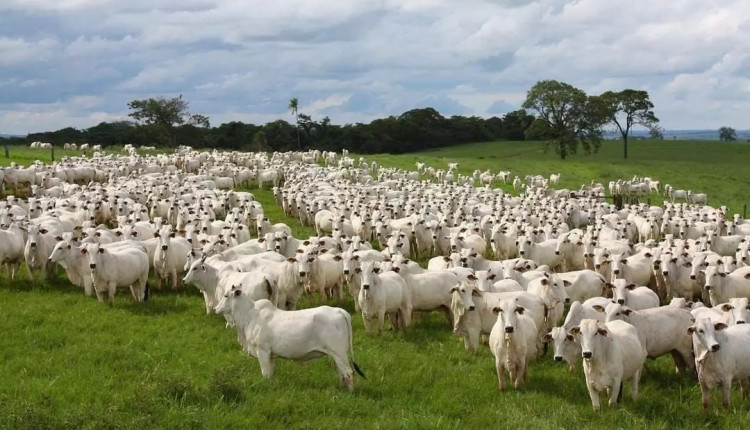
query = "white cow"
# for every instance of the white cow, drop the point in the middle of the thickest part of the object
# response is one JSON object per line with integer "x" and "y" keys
{"x": 381, "y": 294}
{"x": 513, "y": 341}
{"x": 722, "y": 286}
{"x": 611, "y": 353}
{"x": 722, "y": 354}
{"x": 633, "y": 296}
{"x": 266, "y": 332}
{"x": 661, "y": 330}
{"x": 112, "y": 268}
{"x": 170, "y": 256}
{"x": 11, "y": 248}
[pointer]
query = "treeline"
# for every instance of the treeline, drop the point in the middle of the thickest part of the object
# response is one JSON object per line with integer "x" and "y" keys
{"x": 413, "y": 130}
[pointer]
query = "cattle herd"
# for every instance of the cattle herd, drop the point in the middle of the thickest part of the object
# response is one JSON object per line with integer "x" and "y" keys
{"x": 545, "y": 269}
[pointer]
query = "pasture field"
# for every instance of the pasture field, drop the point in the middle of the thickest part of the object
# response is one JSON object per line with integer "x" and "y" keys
{"x": 67, "y": 361}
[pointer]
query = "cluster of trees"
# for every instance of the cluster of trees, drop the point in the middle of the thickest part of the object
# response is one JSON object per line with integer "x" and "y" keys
{"x": 168, "y": 122}
{"x": 566, "y": 119}
{"x": 727, "y": 134}
{"x": 569, "y": 119}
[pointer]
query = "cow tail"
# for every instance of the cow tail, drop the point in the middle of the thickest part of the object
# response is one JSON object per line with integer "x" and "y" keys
{"x": 146, "y": 292}
{"x": 351, "y": 345}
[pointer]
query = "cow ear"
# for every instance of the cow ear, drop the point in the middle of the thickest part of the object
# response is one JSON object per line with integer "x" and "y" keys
{"x": 598, "y": 308}
{"x": 237, "y": 292}
{"x": 397, "y": 269}
{"x": 602, "y": 331}
{"x": 724, "y": 275}
{"x": 491, "y": 276}
{"x": 337, "y": 258}
{"x": 648, "y": 255}
{"x": 299, "y": 251}
{"x": 84, "y": 251}
{"x": 476, "y": 293}
{"x": 747, "y": 275}
{"x": 719, "y": 326}
{"x": 58, "y": 238}
{"x": 376, "y": 270}
{"x": 627, "y": 311}
{"x": 547, "y": 337}
{"x": 101, "y": 250}
{"x": 471, "y": 277}
{"x": 726, "y": 307}
{"x": 520, "y": 310}
{"x": 454, "y": 289}
{"x": 567, "y": 283}
{"x": 310, "y": 260}
{"x": 447, "y": 259}
{"x": 496, "y": 310}
{"x": 43, "y": 231}
{"x": 545, "y": 281}
{"x": 574, "y": 331}
{"x": 630, "y": 286}
{"x": 690, "y": 330}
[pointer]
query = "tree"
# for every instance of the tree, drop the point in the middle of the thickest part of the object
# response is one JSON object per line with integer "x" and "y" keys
{"x": 625, "y": 109}
{"x": 293, "y": 106}
{"x": 568, "y": 117}
{"x": 656, "y": 132}
{"x": 727, "y": 134}
{"x": 260, "y": 140}
{"x": 166, "y": 114}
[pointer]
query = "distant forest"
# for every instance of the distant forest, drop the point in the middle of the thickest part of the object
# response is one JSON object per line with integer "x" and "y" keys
{"x": 411, "y": 131}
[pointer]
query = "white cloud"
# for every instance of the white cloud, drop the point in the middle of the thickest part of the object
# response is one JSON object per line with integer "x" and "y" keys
{"x": 354, "y": 60}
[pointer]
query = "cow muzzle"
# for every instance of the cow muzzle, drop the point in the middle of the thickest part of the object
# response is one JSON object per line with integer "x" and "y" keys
{"x": 509, "y": 329}
{"x": 365, "y": 287}
{"x": 164, "y": 247}
{"x": 715, "y": 347}
{"x": 558, "y": 358}
{"x": 92, "y": 266}
{"x": 621, "y": 301}
{"x": 586, "y": 354}
{"x": 472, "y": 307}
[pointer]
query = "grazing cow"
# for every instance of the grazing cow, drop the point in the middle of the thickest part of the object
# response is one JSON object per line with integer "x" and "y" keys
{"x": 381, "y": 294}
{"x": 513, "y": 341}
{"x": 722, "y": 354}
{"x": 661, "y": 330}
{"x": 266, "y": 332}
{"x": 611, "y": 353}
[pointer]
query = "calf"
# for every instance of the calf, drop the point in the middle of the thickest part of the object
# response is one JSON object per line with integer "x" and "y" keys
{"x": 611, "y": 353}
{"x": 513, "y": 341}
{"x": 266, "y": 332}
{"x": 722, "y": 354}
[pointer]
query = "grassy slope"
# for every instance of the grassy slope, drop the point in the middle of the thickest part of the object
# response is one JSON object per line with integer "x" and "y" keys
{"x": 69, "y": 362}
{"x": 718, "y": 169}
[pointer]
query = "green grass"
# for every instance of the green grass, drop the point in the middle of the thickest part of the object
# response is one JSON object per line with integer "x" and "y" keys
{"x": 719, "y": 169}
{"x": 67, "y": 361}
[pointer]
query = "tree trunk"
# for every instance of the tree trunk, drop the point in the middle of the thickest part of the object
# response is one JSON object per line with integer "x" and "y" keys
{"x": 7, "y": 152}
{"x": 299, "y": 144}
{"x": 625, "y": 145}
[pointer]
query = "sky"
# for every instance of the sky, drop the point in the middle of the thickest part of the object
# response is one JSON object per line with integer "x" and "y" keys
{"x": 79, "y": 62}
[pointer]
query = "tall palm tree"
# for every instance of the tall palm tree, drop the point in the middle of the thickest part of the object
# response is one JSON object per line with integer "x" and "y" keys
{"x": 293, "y": 105}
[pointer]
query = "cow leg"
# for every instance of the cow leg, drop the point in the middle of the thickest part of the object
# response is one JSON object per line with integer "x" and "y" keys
{"x": 112, "y": 290}
{"x": 744, "y": 387}
{"x": 381, "y": 321}
{"x": 726, "y": 391}
{"x": 175, "y": 280}
{"x": 266, "y": 363}
{"x": 500, "y": 373}
{"x": 705, "y": 394}
{"x": 634, "y": 383}
{"x": 614, "y": 391}
{"x": 594, "y": 395}
{"x": 100, "y": 296}
{"x": 346, "y": 375}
